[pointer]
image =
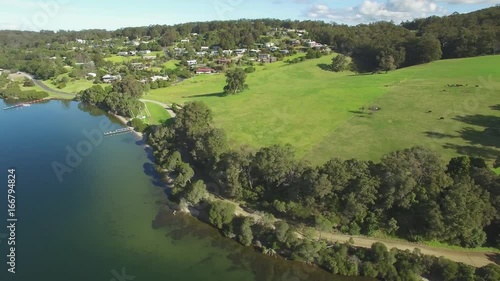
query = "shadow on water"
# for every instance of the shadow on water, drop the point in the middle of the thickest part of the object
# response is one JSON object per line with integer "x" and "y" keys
{"x": 181, "y": 226}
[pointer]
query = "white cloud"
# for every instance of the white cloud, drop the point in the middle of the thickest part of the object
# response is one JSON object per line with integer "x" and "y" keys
{"x": 376, "y": 10}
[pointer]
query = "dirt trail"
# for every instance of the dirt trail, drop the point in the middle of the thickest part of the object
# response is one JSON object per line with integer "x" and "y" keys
{"x": 477, "y": 259}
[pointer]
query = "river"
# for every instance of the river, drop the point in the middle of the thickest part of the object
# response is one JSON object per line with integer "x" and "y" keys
{"x": 92, "y": 209}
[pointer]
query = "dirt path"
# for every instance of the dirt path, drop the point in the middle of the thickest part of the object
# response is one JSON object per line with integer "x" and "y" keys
{"x": 168, "y": 108}
{"x": 477, "y": 259}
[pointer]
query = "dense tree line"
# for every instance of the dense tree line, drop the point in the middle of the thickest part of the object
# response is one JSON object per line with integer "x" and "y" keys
{"x": 121, "y": 98}
{"x": 10, "y": 90}
{"x": 410, "y": 193}
{"x": 374, "y": 47}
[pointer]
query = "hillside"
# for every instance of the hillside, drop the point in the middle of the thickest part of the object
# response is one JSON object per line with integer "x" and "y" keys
{"x": 318, "y": 112}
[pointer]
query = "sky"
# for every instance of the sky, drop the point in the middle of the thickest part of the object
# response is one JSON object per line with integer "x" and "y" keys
{"x": 38, "y": 15}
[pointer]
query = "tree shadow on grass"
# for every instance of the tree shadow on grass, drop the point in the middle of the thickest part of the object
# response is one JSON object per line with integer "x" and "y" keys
{"x": 436, "y": 135}
{"x": 480, "y": 120}
{"x": 324, "y": 66}
{"x": 474, "y": 151}
{"x": 220, "y": 95}
{"x": 495, "y": 107}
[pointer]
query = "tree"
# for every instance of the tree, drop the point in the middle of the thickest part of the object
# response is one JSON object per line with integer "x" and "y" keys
{"x": 28, "y": 83}
{"x": 196, "y": 192}
{"x": 235, "y": 80}
{"x": 497, "y": 163}
{"x": 129, "y": 86}
{"x": 245, "y": 229}
{"x": 281, "y": 231}
{"x": 387, "y": 62}
{"x": 221, "y": 213}
{"x": 340, "y": 63}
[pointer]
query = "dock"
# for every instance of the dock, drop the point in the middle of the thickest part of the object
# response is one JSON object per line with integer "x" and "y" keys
{"x": 119, "y": 131}
{"x": 24, "y": 104}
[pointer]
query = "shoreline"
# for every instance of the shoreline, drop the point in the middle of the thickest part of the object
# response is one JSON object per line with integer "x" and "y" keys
{"x": 125, "y": 121}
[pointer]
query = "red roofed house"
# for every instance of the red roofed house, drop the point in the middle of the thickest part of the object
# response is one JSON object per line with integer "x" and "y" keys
{"x": 205, "y": 71}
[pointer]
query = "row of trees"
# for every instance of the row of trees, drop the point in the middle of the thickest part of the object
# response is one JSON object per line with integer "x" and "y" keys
{"x": 410, "y": 193}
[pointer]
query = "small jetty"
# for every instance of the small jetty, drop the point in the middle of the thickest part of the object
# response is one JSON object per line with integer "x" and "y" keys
{"x": 119, "y": 131}
{"x": 24, "y": 104}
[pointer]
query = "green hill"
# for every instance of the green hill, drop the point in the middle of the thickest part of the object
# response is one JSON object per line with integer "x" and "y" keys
{"x": 321, "y": 112}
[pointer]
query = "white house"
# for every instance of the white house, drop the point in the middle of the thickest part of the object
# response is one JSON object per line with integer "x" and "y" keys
{"x": 185, "y": 41}
{"x": 110, "y": 78}
{"x": 269, "y": 44}
{"x": 92, "y": 74}
{"x": 156, "y": 78}
{"x": 201, "y": 54}
{"x": 192, "y": 62}
{"x": 149, "y": 57}
{"x": 204, "y": 48}
{"x": 81, "y": 41}
{"x": 227, "y": 52}
{"x": 123, "y": 53}
{"x": 145, "y": 52}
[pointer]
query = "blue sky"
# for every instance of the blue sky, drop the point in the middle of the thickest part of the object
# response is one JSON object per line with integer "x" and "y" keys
{"x": 113, "y": 14}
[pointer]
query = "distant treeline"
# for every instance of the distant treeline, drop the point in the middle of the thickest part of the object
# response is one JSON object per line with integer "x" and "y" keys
{"x": 410, "y": 194}
{"x": 410, "y": 43}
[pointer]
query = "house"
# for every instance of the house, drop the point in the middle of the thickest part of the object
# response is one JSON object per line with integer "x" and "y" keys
{"x": 256, "y": 51}
{"x": 92, "y": 74}
{"x": 214, "y": 53}
{"x": 204, "y": 48}
{"x": 185, "y": 40}
{"x": 274, "y": 49}
{"x": 81, "y": 41}
{"x": 224, "y": 61}
{"x": 179, "y": 51}
{"x": 156, "y": 78}
{"x": 145, "y": 52}
{"x": 194, "y": 34}
{"x": 200, "y": 54}
{"x": 137, "y": 65}
{"x": 192, "y": 62}
{"x": 269, "y": 44}
{"x": 267, "y": 58}
{"x": 111, "y": 78}
{"x": 135, "y": 43}
{"x": 124, "y": 54}
{"x": 149, "y": 57}
{"x": 285, "y": 52}
{"x": 53, "y": 58}
{"x": 240, "y": 51}
{"x": 132, "y": 53}
{"x": 205, "y": 71}
{"x": 227, "y": 52}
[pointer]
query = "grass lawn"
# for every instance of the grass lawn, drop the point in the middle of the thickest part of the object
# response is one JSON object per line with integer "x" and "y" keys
{"x": 497, "y": 171}
{"x": 121, "y": 59}
{"x": 72, "y": 86}
{"x": 318, "y": 112}
{"x": 158, "y": 114}
{"x": 172, "y": 64}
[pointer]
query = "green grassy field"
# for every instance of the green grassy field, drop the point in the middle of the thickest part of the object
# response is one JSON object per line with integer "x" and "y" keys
{"x": 158, "y": 114}
{"x": 72, "y": 86}
{"x": 172, "y": 64}
{"x": 318, "y": 112}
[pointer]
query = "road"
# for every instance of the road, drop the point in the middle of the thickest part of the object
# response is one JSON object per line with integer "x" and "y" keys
{"x": 168, "y": 108}
{"x": 45, "y": 87}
